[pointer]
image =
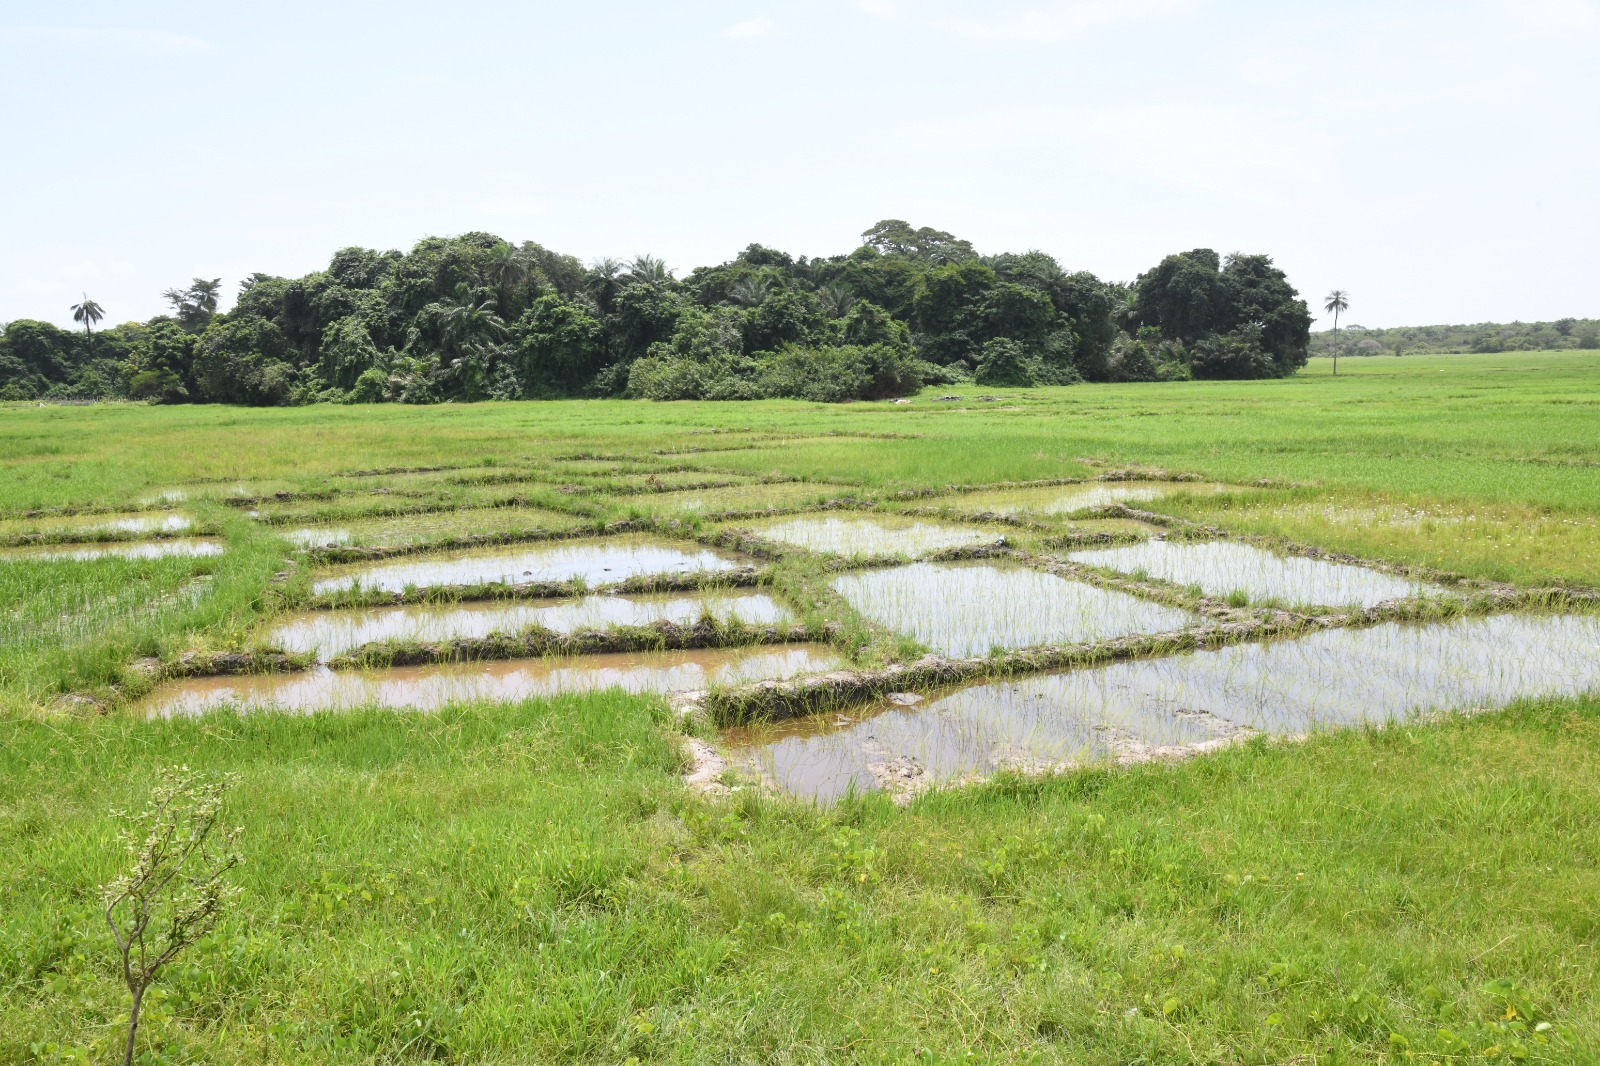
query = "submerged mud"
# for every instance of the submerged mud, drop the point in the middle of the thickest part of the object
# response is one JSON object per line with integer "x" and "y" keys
{"x": 330, "y": 633}
{"x": 432, "y": 687}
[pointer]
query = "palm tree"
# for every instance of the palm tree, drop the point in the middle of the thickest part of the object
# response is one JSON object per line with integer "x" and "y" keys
{"x": 605, "y": 277}
{"x": 648, "y": 269}
{"x": 507, "y": 266}
{"x": 749, "y": 291}
{"x": 466, "y": 319}
{"x": 1338, "y": 300}
{"x": 89, "y": 313}
{"x": 837, "y": 300}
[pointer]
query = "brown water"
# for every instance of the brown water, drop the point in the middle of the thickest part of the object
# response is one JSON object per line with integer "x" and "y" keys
{"x": 970, "y": 608}
{"x": 1221, "y": 567}
{"x": 136, "y": 549}
{"x": 1334, "y": 678}
{"x": 878, "y": 535}
{"x": 430, "y": 687}
{"x": 1069, "y": 499}
{"x": 597, "y": 561}
{"x": 331, "y": 633}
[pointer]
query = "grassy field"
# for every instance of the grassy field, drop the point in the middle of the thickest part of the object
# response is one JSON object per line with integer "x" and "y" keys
{"x": 532, "y": 882}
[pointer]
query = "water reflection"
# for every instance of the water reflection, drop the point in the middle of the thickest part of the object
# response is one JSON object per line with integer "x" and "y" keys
{"x": 969, "y": 608}
{"x": 331, "y": 633}
{"x": 1328, "y": 679}
{"x": 431, "y": 687}
{"x": 1222, "y": 567}
{"x": 595, "y": 561}
{"x": 879, "y": 535}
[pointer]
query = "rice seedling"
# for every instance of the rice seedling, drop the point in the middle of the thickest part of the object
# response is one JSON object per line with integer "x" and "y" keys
{"x": 976, "y": 608}
{"x": 1229, "y": 569}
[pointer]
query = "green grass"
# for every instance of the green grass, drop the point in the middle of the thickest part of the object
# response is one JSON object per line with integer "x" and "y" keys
{"x": 532, "y": 883}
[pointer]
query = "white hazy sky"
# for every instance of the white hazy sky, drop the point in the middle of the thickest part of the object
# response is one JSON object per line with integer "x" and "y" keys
{"x": 1439, "y": 160}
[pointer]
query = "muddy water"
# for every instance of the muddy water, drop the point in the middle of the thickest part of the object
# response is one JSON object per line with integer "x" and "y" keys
{"x": 967, "y": 609}
{"x": 1223, "y": 567}
{"x": 597, "y": 561}
{"x": 879, "y": 535}
{"x": 1326, "y": 680}
{"x": 1069, "y": 499}
{"x": 331, "y": 633}
{"x": 151, "y": 549}
{"x": 431, "y": 687}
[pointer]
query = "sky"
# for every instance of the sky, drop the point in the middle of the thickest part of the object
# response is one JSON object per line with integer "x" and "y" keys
{"x": 1437, "y": 160}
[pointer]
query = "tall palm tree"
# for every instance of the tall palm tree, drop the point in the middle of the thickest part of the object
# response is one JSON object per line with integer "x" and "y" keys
{"x": 605, "y": 277}
{"x": 507, "y": 266}
{"x": 648, "y": 269}
{"x": 749, "y": 291}
{"x": 89, "y": 313}
{"x": 1338, "y": 301}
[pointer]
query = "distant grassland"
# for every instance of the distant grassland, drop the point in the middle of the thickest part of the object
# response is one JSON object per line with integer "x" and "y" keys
{"x": 531, "y": 882}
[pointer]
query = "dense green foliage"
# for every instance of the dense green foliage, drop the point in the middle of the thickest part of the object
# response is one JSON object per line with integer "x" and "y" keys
{"x": 474, "y": 318}
{"x": 1484, "y": 337}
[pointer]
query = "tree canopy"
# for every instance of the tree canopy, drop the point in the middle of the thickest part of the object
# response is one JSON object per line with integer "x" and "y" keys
{"x": 476, "y": 317}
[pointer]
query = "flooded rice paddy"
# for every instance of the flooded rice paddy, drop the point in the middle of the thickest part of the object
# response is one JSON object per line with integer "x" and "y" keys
{"x": 1070, "y": 499}
{"x": 1329, "y": 679}
{"x": 597, "y": 562}
{"x": 327, "y": 634}
{"x": 407, "y": 530}
{"x": 432, "y": 687}
{"x": 152, "y": 549}
{"x": 68, "y": 527}
{"x": 1221, "y": 568}
{"x": 877, "y": 535}
{"x": 748, "y": 497}
{"x": 967, "y": 609}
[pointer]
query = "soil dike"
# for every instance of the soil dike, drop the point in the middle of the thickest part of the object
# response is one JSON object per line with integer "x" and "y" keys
{"x": 544, "y": 643}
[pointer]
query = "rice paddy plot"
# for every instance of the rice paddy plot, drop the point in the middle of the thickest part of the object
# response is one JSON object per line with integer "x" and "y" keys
{"x": 413, "y": 529}
{"x": 133, "y": 549}
{"x": 967, "y": 609}
{"x": 759, "y": 497}
{"x": 594, "y": 560}
{"x": 1334, "y": 678}
{"x": 972, "y": 732}
{"x": 1072, "y": 499}
{"x": 94, "y": 527}
{"x": 425, "y": 688}
{"x": 875, "y": 536}
{"x": 327, "y": 634}
{"x": 1224, "y": 568}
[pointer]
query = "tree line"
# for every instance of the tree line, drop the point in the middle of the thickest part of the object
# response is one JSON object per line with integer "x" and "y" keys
{"x": 475, "y": 317}
{"x": 1561, "y": 334}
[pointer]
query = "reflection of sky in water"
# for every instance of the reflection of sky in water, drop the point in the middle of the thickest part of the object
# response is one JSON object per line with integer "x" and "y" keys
{"x": 153, "y": 549}
{"x": 1220, "y": 567}
{"x": 595, "y": 561}
{"x": 1067, "y": 499}
{"x": 967, "y": 609}
{"x": 1338, "y": 677}
{"x": 872, "y": 536}
{"x": 431, "y": 687}
{"x": 331, "y": 633}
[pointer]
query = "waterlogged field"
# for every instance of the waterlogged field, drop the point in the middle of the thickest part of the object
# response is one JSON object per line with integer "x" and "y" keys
{"x": 1081, "y": 786}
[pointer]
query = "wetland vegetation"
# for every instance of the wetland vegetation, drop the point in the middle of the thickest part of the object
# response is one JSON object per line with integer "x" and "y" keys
{"x": 492, "y": 820}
